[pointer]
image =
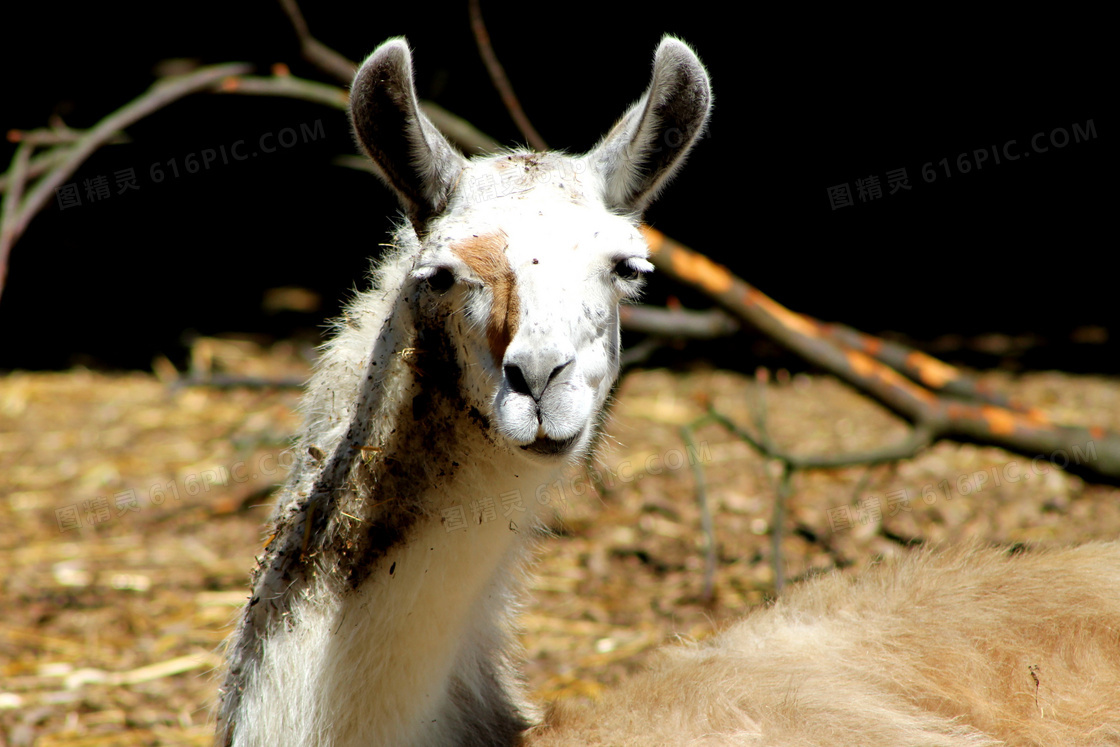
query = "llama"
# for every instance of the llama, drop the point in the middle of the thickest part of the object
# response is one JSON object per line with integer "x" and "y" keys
{"x": 476, "y": 368}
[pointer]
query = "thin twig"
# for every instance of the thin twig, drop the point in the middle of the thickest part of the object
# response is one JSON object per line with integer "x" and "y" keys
{"x": 777, "y": 527}
{"x": 358, "y": 163}
{"x": 458, "y": 130}
{"x": 862, "y": 483}
{"x": 654, "y": 320}
{"x": 288, "y": 86}
{"x": 39, "y": 164}
{"x": 314, "y": 51}
{"x": 501, "y": 80}
{"x": 762, "y": 381}
{"x": 635, "y": 355}
{"x": 8, "y": 213}
{"x": 916, "y": 441}
{"x": 468, "y": 137}
{"x": 234, "y": 381}
{"x": 57, "y": 136}
{"x": 472, "y": 140}
{"x": 706, "y": 525}
{"x": 161, "y": 94}
{"x": 783, "y": 487}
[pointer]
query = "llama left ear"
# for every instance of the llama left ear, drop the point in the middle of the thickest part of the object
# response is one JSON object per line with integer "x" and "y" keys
{"x": 647, "y": 146}
{"x": 410, "y": 154}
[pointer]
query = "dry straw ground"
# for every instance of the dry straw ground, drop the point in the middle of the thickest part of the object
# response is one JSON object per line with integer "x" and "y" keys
{"x": 130, "y": 512}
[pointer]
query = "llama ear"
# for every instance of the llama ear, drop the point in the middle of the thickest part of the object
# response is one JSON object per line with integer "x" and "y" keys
{"x": 410, "y": 154}
{"x": 646, "y": 147}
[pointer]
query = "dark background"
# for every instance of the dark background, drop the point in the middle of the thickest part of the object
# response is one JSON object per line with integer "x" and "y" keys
{"x": 803, "y": 103}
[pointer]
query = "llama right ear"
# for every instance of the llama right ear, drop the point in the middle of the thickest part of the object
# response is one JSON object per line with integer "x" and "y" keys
{"x": 647, "y": 146}
{"x": 410, "y": 154}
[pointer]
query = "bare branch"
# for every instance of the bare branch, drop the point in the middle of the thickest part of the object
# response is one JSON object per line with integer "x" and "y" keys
{"x": 654, "y": 320}
{"x": 161, "y": 94}
{"x": 1027, "y": 432}
{"x": 777, "y": 527}
{"x": 705, "y": 517}
{"x": 637, "y": 354}
{"x": 924, "y": 369}
{"x": 784, "y": 486}
{"x": 919, "y": 439}
{"x": 289, "y": 87}
{"x": 8, "y": 214}
{"x": 314, "y": 51}
{"x": 501, "y": 80}
{"x": 234, "y": 381}
{"x": 458, "y": 130}
{"x": 40, "y": 164}
{"x": 57, "y": 136}
{"x": 461, "y": 132}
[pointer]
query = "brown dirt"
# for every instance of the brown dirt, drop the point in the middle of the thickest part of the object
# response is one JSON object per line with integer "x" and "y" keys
{"x": 109, "y": 629}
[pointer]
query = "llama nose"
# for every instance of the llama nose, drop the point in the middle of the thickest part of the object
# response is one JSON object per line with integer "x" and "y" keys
{"x": 531, "y": 374}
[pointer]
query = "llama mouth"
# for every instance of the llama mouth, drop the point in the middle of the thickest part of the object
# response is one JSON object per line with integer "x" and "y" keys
{"x": 546, "y": 446}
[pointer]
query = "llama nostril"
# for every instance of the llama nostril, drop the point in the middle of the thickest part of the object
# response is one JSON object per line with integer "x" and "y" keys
{"x": 556, "y": 371}
{"x": 531, "y": 375}
{"x": 517, "y": 381}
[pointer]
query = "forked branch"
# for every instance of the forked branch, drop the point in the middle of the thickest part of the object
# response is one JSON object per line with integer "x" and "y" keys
{"x": 934, "y": 400}
{"x": 18, "y": 210}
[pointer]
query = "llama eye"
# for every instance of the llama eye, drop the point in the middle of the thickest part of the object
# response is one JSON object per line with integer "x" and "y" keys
{"x": 631, "y": 268}
{"x": 441, "y": 280}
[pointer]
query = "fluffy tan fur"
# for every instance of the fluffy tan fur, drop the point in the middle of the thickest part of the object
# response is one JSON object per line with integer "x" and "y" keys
{"x": 966, "y": 647}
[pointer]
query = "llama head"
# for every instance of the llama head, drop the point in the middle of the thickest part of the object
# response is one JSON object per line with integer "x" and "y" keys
{"x": 526, "y": 256}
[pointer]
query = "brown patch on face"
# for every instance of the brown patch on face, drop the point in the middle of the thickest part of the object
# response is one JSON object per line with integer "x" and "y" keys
{"x": 486, "y": 256}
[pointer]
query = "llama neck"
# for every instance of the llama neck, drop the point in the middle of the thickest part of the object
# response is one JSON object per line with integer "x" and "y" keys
{"x": 396, "y": 561}
{"x": 419, "y": 652}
